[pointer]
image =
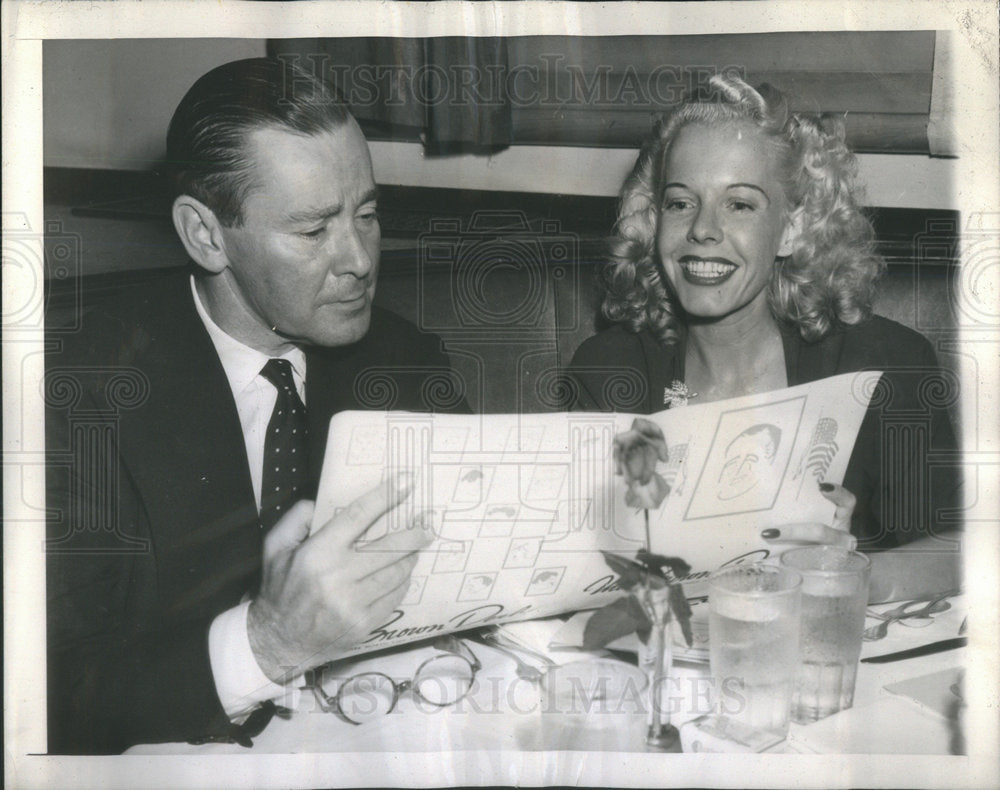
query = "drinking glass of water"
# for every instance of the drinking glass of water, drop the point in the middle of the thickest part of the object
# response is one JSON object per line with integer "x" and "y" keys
{"x": 834, "y": 597}
{"x": 754, "y": 642}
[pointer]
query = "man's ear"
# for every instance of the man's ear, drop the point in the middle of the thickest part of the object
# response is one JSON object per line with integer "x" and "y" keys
{"x": 792, "y": 233}
{"x": 201, "y": 233}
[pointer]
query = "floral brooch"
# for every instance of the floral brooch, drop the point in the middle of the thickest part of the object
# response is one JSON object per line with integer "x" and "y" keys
{"x": 677, "y": 394}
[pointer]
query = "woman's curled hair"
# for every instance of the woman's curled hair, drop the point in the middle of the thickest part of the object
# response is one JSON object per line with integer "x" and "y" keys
{"x": 827, "y": 281}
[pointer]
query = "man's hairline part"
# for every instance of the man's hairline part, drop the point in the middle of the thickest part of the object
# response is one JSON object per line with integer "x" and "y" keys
{"x": 242, "y": 179}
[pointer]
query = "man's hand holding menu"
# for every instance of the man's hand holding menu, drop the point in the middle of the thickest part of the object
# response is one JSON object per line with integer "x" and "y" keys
{"x": 319, "y": 597}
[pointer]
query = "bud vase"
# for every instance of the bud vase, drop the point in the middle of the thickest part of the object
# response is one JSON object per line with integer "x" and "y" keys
{"x": 656, "y": 661}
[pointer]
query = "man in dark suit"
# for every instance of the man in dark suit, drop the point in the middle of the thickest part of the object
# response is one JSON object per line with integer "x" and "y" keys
{"x": 186, "y": 582}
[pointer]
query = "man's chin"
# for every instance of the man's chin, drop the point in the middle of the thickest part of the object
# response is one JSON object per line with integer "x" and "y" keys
{"x": 343, "y": 332}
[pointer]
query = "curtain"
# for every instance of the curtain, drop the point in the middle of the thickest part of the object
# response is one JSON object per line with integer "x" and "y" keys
{"x": 611, "y": 90}
{"x": 480, "y": 94}
{"x": 447, "y": 92}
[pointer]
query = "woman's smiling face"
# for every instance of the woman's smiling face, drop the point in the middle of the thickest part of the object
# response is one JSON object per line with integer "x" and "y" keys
{"x": 723, "y": 220}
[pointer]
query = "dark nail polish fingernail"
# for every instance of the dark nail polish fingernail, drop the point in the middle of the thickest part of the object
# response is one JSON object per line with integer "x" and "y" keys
{"x": 771, "y": 534}
{"x": 828, "y": 487}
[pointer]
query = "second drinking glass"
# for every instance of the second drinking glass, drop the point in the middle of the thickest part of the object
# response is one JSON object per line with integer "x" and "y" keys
{"x": 834, "y": 597}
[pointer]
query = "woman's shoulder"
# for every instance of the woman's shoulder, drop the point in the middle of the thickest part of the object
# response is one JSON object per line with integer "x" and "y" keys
{"x": 883, "y": 337}
{"x": 619, "y": 370}
{"x": 612, "y": 345}
{"x": 878, "y": 325}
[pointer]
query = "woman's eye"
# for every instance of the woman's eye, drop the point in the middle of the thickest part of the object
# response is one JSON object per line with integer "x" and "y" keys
{"x": 741, "y": 205}
{"x": 676, "y": 204}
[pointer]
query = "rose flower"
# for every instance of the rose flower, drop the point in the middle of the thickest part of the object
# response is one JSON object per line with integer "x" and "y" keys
{"x": 636, "y": 454}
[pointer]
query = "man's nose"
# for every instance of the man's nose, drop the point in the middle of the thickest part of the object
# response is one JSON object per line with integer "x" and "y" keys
{"x": 705, "y": 226}
{"x": 354, "y": 253}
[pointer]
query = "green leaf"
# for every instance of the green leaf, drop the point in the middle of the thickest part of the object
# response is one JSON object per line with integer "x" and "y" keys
{"x": 619, "y": 618}
{"x": 630, "y": 573}
{"x": 681, "y": 609}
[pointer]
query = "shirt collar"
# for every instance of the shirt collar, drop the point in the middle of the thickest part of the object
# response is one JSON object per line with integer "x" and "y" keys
{"x": 242, "y": 363}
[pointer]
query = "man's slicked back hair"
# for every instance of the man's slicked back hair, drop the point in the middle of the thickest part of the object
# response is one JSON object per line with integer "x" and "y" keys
{"x": 207, "y": 154}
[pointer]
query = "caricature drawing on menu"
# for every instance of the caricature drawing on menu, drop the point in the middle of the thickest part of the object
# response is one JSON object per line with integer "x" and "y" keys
{"x": 749, "y": 458}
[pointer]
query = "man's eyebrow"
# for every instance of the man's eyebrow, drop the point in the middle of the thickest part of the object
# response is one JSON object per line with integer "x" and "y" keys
{"x": 312, "y": 215}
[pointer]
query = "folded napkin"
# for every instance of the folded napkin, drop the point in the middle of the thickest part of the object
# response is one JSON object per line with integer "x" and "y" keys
{"x": 570, "y": 636}
{"x": 545, "y": 637}
{"x": 890, "y": 725}
{"x": 937, "y": 693}
{"x": 536, "y": 635}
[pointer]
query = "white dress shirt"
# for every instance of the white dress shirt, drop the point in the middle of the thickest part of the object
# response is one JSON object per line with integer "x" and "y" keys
{"x": 239, "y": 681}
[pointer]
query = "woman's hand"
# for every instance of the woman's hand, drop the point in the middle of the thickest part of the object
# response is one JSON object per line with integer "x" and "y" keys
{"x": 837, "y": 534}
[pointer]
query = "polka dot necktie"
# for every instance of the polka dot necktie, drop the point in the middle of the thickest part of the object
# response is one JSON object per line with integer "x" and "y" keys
{"x": 286, "y": 464}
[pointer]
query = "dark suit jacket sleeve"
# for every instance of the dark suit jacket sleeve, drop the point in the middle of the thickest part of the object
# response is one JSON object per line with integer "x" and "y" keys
{"x": 116, "y": 676}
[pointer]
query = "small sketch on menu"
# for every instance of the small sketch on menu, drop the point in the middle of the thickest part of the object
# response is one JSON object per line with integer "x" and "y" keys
{"x": 546, "y": 482}
{"x": 498, "y": 521}
{"x": 451, "y": 555}
{"x": 545, "y": 581}
{"x": 523, "y": 553}
{"x": 469, "y": 488}
{"x": 476, "y": 586}
{"x": 820, "y": 453}
{"x": 415, "y": 591}
{"x": 675, "y": 472}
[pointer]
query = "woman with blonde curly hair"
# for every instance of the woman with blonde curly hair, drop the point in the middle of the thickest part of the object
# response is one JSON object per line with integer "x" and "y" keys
{"x": 743, "y": 264}
{"x": 827, "y": 279}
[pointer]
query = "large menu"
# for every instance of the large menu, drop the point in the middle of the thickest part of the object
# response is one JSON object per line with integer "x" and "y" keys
{"x": 522, "y": 505}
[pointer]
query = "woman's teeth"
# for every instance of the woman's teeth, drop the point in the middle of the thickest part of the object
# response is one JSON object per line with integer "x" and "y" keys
{"x": 708, "y": 268}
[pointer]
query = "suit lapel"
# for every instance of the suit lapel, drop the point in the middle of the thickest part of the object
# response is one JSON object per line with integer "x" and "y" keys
{"x": 185, "y": 446}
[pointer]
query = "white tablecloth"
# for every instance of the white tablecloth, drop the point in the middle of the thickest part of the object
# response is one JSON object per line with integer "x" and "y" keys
{"x": 904, "y": 707}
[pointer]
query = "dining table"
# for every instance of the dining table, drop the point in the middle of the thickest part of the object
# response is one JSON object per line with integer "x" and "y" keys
{"x": 536, "y": 689}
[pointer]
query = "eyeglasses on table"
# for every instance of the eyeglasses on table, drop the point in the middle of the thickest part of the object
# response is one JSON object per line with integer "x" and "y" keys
{"x": 439, "y": 681}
